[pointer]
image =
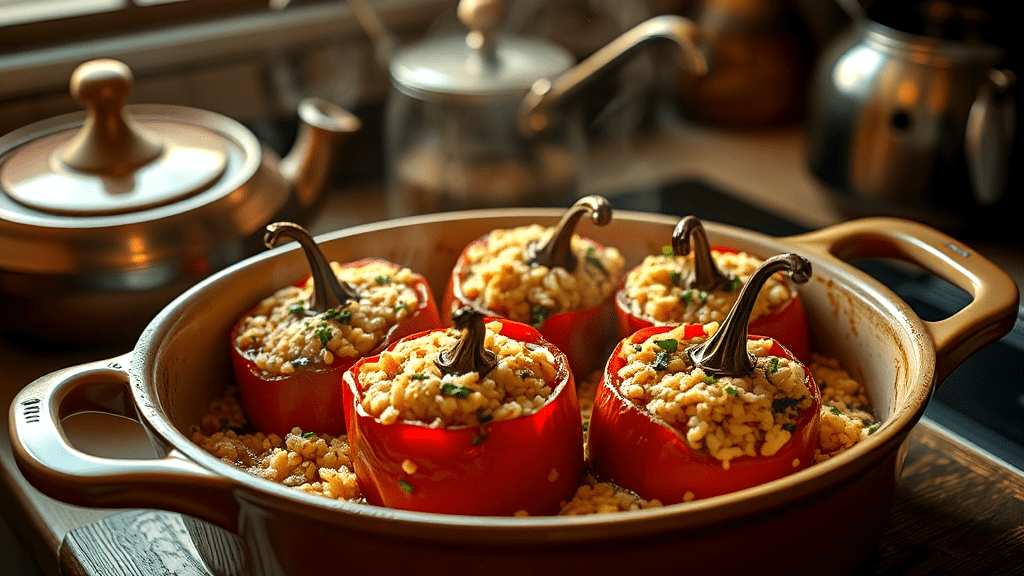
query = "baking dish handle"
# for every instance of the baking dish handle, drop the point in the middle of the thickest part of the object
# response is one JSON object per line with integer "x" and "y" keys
{"x": 55, "y": 467}
{"x": 988, "y": 317}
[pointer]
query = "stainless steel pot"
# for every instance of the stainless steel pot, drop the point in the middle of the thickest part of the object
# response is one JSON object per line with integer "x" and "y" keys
{"x": 107, "y": 215}
{"x": 180, "y": 363}
{"x": 908, "y": 118}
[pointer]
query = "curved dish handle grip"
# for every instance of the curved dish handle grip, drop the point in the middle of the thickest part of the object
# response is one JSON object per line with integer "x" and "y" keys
{"x": 989, "y": 316}
{"x": 54, "y": 466}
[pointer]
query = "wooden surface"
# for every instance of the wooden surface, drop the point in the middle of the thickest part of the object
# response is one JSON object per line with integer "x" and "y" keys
{"x": 956, "y": 512}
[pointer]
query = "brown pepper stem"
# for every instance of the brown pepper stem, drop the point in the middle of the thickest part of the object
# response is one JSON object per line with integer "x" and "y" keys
{"x": 725, "y": 353}
{"x": 468, "y": 354}
{"x": 706, "y": 274}
{"x": 556, "y": 251}
{"x": 328, "y": 291}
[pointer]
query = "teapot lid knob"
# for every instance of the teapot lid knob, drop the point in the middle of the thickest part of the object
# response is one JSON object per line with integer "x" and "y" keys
{"x": 110, "y": 142}
{"x": 482, "y": 17}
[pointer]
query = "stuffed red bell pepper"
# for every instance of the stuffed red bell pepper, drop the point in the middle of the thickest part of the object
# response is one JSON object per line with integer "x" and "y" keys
{"x": 478, "y": 419}
{"x": 684, "y": 286}
{"x": 693, "y": 411}
{"x": 559, "y": 282}
{"x": 288, "y": 352}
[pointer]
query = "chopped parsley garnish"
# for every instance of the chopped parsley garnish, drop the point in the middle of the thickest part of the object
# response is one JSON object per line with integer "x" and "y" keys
{"x": 586, "y": 425}
{"x": 711, "y": 379}
{"x": 382, "y": 280}
{"x": 661, "y": 360}
{"x": 300, "y": 362}
{"x": 309, "y": 434}
{"x": 593, "y": 260}
{"x": 774, "y": 366}
{"x": 789, "y": 427}
{"x": 687, "y": 297}
{"x": 400, "y": 306}
{"x": 406, "y": 487}
{"x": 703, "y": 296}
{"x": 668, "y": 344}
{"x": 538, "y": 314}
{"x": 324, "y": 333}
{"x": 343, "y": 316}
{"x": 873, "y": 428}
{"x": 783, "y": 404}
{"x": 449, "y": 389}
{"x": 731, "y": 391}
{"x": 675, "y": 278}
{"x": 667, "y": 251}
{"x": 297, "y": 308}
{"x": 419, "y": 376}
{"x": 835, "y": 411}
{"x": 735, "y": 284}
{"x": 637, "y": 347}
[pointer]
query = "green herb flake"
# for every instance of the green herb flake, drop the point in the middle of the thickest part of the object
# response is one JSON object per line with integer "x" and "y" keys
{"x": 873, "y": 428}
{"x": 593, "y": 260}
{"x": 687, "y": 297}
{"x": 400, "y": 306}
{"x": 300, "y": 362}
{"x": 661, "y": 360}
{"x": 419, "y": 376}
{"x": 731, "y": 391}
{"x": 783, "y": 404}
{"x": 382, "y": 280}
{"x": 774, "y": 366}
{"x": 405, "y": 486}
{"x": 324, "y": 333}
{"x": 668, "y": 344}
{"x": 449, "y": 389}
{"x": 297, "y": 308}
{"x": 667, "y": 251}
{"x": 703, "y": 296}
{"x": 343, "y": 316}
{"x": 675, "y": 278}
{"x": 538, "y": 314}
{"x": 711, "y": 379}
{"x": 637, "y": 347}
{"x": 789, "y": 427}
{"x": 735, "y": 285}
{"x": 835, "y": 411}
{"x": 586, "y": 425}
{"x": 309, "y": 434}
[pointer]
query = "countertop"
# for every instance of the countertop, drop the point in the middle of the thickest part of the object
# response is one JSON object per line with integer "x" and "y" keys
{"x": 975, "y": 528}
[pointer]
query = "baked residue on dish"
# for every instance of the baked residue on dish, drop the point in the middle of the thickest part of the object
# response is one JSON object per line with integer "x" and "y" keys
{"x": 319, "y": 464}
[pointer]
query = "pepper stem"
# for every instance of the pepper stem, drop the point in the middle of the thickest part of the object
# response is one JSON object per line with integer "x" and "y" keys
{"x": 328, "y": 291}
{"x": 556, "y": 251}
{"x": 725, "y": 353}
{"x": 706, "y": 274}
{"x": 468, "y": 354}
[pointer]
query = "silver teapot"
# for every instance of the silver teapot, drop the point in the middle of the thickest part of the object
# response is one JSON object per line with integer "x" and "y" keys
{"x": 915, "y": 118}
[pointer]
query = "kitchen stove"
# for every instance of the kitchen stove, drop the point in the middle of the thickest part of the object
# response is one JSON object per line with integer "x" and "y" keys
{"x": 982, "y": 401}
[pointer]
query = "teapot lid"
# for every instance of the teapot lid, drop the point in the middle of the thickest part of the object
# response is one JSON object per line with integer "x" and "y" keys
{"x": 112, "y": 163}
{"x": 482, "y": 64}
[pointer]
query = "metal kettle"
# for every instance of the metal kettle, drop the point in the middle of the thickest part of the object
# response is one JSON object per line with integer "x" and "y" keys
{"x": 915, "y": 121}
{"x": 478, "y": 120}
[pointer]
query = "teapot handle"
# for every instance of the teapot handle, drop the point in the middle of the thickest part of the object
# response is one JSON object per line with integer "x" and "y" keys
{"x": 538, "y": 109}
{"x": 989, "y": 136}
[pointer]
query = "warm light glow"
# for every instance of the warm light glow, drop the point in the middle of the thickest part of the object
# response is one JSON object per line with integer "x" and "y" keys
{"x": 853, "y": 67}
{"x": 908, "y": 93}
{"x": 137, "y": 247}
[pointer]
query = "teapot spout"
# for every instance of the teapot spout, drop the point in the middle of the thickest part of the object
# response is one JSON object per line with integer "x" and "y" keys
{"x": 323, "y": 126}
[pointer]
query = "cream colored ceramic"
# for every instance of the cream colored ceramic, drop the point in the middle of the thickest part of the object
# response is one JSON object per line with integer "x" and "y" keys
{"x": 828, "y": 517}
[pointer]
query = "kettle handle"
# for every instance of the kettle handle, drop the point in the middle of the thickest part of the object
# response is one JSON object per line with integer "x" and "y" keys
{"x": 989, "y": 136}
{"x": 537, "y": 111}
{"x": 58, "y": 469}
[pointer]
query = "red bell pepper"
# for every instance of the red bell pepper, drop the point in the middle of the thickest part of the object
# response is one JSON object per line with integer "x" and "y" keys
{"x": 629, "y": 446}
{"x": 531, "y": 463}
{"x": 310, "y": 398}
{"x": 571, "y": 331}
{"x": 787, "y": 325}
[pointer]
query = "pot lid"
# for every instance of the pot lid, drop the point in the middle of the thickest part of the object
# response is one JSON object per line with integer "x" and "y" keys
{"x": 112, "y": 163}
{"x": 481, "y": 64}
